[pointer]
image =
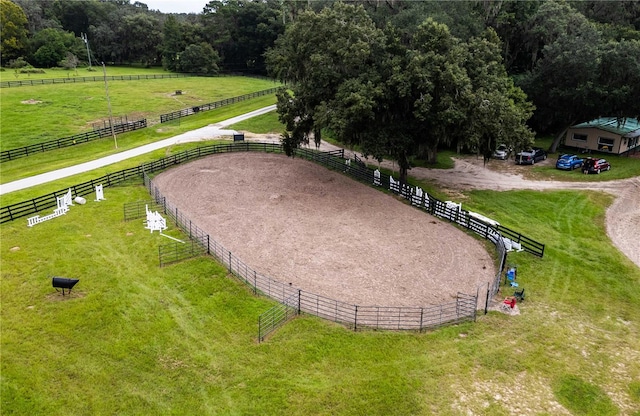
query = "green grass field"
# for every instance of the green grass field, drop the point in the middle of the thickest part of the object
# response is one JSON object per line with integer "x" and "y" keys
{"x": 69, "y": 156}
{"x": 10, "y": 74}
{"x": 139, "y": 339}
{"x": 36, "y": 114}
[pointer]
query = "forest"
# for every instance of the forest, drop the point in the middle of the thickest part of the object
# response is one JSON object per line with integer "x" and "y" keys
{"x": 375, "y": 73}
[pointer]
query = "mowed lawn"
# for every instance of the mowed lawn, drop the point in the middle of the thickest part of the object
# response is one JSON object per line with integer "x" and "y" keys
{"x": 9, "y": 75}
{"x": 35, "y": 114}
{"x": 66, "y": 109}
{"x": 138, "y": 339}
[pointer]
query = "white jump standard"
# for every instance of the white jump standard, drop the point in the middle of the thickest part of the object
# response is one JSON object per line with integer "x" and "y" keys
{"x": 155, "y": 221}
{"x": 63, "y": 203}
{"x": 99, "y": 193}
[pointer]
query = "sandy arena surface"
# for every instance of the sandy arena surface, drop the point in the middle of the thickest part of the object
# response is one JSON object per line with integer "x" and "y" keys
{"x": 322, "y": 232}
{"x": 325, "y": 233}
{"x": 622, "y": 218}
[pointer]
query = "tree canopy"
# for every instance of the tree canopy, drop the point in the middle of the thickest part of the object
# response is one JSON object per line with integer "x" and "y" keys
{"x": 13, "y": 30}
{"x": 500, "y": 63}
{"x": 391, "y": 95}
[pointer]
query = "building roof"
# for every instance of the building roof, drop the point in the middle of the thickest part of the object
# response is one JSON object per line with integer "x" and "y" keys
{"x": 629, "y": 128}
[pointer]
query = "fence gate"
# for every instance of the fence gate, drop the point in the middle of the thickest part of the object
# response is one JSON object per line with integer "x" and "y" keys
{"x": 466, "y": 306}
{"x": 278, "y": 316}
{"x": 138, "y": 209}
{"x": 175, "y": 252}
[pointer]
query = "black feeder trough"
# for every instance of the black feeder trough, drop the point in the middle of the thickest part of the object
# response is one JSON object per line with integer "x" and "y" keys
{"x": 64, "y": 283}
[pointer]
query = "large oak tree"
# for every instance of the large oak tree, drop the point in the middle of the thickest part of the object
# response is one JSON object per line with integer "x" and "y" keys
{"x": 390, "y": 95}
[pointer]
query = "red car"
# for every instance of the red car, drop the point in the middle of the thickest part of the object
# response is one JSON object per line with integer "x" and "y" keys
{"x": 595, "y": 165}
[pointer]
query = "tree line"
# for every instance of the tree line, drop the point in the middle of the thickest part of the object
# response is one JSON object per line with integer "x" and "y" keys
{"x": 393, "y": 76}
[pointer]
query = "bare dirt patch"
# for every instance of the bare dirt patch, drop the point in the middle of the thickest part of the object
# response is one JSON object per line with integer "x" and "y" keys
{"x": 58, "y": 297}
{"x": 299, "y": 223}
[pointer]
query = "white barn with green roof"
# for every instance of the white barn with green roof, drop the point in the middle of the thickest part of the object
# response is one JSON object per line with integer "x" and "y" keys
{"x": 605, "y": 134}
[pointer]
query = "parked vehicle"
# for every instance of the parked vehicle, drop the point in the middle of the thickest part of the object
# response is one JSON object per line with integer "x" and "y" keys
{"x": 530, "y": 156}
{"x": 569, "y": 162}
{"x": 595, "y": 165}
{"x": 502, "y": 152}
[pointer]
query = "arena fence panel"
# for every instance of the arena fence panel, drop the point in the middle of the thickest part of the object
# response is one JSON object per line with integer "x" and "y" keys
{"x": 292, "y": 299}
{"x": 175, "y": 252}
{"x": 277, "y": 316}
{"x": 138, "y": 209}
{"x": 264, "y": 285}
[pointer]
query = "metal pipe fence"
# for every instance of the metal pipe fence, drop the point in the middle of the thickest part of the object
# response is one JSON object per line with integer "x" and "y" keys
{"x": 385, "y": 318}
{"x": 138, "y": 209}
{"x": 276, "y": 317}
{"x": 353, "y": 316}
{"x": 175, "y": 252}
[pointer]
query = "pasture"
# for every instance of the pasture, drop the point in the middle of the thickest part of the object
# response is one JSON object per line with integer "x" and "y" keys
{"x": 9, "y": 74}
{"x": 46, "y": 112}
{"x": 134, "y": 338}
{"x": 138, "y": 339}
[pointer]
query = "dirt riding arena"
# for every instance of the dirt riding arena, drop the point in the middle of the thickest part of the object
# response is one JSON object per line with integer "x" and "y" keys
{"x": 325, "y": 233}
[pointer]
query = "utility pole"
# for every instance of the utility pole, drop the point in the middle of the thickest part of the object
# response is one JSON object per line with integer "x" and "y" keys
{"x": 106, "y": 88}
{"x": 86, "y": 41}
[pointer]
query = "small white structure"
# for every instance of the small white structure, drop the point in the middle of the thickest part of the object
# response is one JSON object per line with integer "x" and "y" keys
{"x": 484, "y": 219}
{"x": 416, "y": 197}
{"x": 394, "y": 185}
{"x": 516, "y": 246}
{"x": 38, "y": 219}
{"x": 376, "y": 177}
{"x": 79, "y": 200}
{"x": 452, "y": 205}
{"x": 65, "y": 201}
{"x": 511, "y": 245}
{"x": 62, "y": 206}
{"x": 155, "y": 221}
{"x": 347, "y": 162}
{"x": 99, "y": 193}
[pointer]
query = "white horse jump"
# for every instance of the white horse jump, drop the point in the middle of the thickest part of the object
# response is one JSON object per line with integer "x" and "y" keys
{"x": 38, "y": 219}
{"x": 376, "y": 177}
{"x": 155, "y": 221}
{"x": 507, "y": 244}
{"x": 99, "y": 193}
{"x": 453, "y": 205}
{"x": 516, "y": 246}
{"x": 394, "y": 185}
{"x": 416, "y": 197}
{"x": 484, "y": 219}
{"x": 65, "y": 201}
{"x": 60, "y": 203}
{"x": 62, "y": 206}
{"x": 511, "y": 245}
